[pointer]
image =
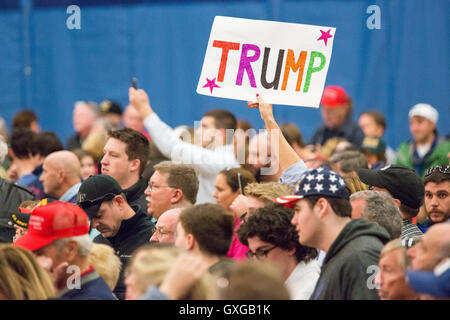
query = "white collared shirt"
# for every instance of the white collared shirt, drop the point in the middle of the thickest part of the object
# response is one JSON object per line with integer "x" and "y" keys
{"x": 208, "y": 163}
{"x": 302, "y": 280}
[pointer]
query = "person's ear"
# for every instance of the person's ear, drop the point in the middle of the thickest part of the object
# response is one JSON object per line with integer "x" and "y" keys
{"x": 61, "y": 175}
{"x": 70, "y": 250}
{"x": 321, "y": 208}
{"x": 291, "y": 251}
{"x": 135, "y": 165}
{"x": 397, "y": 202}
{"x": 190, "y": 241}
{"x": 119, "y": 201}
{"x": 176, "y": 196}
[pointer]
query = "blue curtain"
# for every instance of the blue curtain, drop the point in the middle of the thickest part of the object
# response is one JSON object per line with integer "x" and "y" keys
{"x": 47, "y": 67}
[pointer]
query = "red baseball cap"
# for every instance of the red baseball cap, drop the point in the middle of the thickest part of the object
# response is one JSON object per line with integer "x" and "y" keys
{"x": 57, "y": 220}
{"x": 334, "y": 96}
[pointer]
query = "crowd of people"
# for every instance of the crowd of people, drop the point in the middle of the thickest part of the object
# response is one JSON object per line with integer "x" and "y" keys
{"x": 130, "y": 208}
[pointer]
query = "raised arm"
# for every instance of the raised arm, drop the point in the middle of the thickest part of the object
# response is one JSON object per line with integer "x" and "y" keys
{"x": 287, "y": 154}
{"x": 171, "y": 146}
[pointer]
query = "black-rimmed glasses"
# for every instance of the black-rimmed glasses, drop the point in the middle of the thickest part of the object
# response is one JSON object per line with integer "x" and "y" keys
{"x": 259, "y": 254}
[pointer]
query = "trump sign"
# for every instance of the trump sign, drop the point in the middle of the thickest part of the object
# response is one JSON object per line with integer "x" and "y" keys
{"x": 285, "y": 63}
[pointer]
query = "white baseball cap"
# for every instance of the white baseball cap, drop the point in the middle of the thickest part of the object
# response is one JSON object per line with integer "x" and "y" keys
{"x": 424, "y": 110}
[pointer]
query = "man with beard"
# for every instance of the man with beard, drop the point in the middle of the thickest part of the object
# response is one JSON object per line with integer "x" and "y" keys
{"x": 437, "y": 196}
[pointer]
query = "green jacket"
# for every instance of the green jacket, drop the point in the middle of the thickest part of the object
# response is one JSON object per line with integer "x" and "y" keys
{"x": 436, "y": 156}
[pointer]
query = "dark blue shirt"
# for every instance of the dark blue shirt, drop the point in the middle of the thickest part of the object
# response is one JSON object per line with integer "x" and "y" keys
{"x": 92, "y": 287}
{"x": 348, "y": 130}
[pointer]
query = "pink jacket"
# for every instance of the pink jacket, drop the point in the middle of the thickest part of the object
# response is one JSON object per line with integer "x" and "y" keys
{"x": 237, "y": 249}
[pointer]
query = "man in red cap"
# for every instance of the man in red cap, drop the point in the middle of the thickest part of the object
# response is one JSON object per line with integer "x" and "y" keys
{"x": 336, "y": 109}
{"x": 58, "y": 235}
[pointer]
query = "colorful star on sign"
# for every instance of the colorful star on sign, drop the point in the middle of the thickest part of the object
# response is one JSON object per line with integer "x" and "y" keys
{"x": 325, "y": 36}
{"x": 211, "y": 84}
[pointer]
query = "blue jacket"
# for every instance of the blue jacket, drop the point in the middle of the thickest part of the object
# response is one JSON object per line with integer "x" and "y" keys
{"x": 92, "y": 287}
{"x": 348, "y": 130}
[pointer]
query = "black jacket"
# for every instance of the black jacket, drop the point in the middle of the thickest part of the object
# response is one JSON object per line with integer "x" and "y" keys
{"x": 348, "y": 130}
{"x": 135, "y": 194}
{"x": 74, "y": 142}
{"x": 11, "y": 195}
{"x": 345, "y": 273}
{"x": 132, "y": 234}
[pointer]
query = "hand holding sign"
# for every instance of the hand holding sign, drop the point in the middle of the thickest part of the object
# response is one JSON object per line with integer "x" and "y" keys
{"x": 265, "y": 109}
{"x": 286, "y": 62}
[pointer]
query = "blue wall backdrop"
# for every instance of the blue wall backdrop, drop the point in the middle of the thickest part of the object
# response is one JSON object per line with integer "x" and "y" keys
{"x": 47, "y": 67}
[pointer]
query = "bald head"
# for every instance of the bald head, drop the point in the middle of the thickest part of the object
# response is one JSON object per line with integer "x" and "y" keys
{"x": 263, "y": 158}
{"x": 432, "y": 249}
{"x": 132, "y": 118}
{"x": 165, "y": 226}
{"x": 84, "y": 115}
{"x": 66, "y": 161}
{"x": 61, "y": 171}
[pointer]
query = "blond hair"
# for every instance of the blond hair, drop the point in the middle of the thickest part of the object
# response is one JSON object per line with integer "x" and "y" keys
{"x": 354, "y": 184}
{"x": 150, "y": 264}
{"x": 252, "y": 280}
{"x": 94, "y": 144}
{"x": 266, "y": 192}
{"x": 328, "y": 147}
{"x": 21, "y": 276}
{"x": 392, "y": 245}
{"x": 106, "y": 263}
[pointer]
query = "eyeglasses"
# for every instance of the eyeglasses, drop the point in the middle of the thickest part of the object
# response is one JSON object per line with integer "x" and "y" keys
{"x": 150, "y": 187}
{"x": 161, "y": 232}
{"x": 86, "y": 203}
{"x": 442, "y": 169}
{"x": 259, "y": 254}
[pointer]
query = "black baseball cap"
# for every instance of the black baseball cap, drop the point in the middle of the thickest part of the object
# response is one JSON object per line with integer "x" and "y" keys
{"x": 95, "y": 190}
{"x": 21, "y": 219}
{"x": 403, "y": 183}
{"x": 109, "y": 106}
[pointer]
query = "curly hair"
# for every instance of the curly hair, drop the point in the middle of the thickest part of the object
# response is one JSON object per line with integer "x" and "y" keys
{"x": 272, "y": 224}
